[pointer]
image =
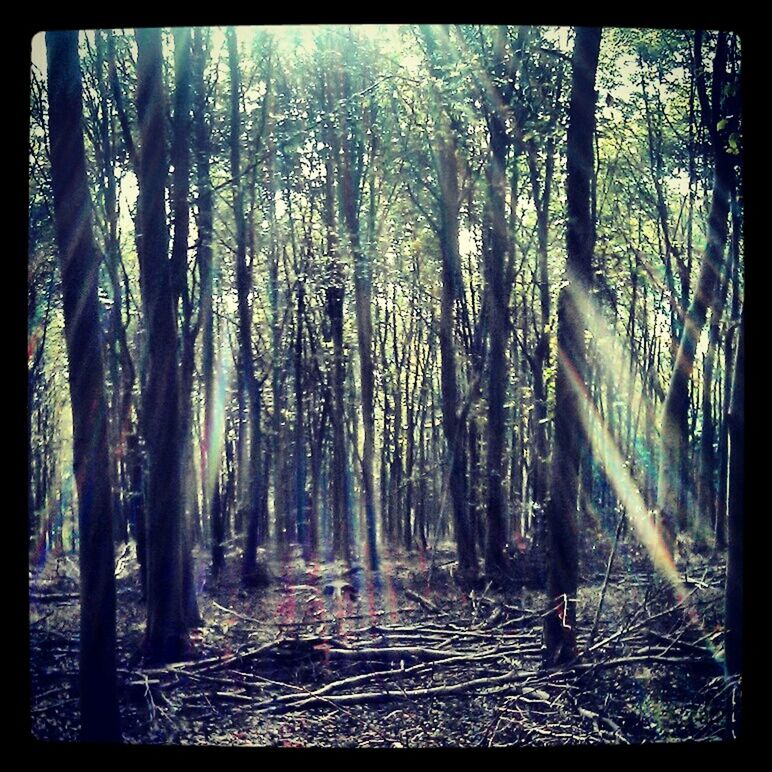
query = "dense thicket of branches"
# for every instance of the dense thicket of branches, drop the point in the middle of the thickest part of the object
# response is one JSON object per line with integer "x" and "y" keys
{"x": 362, "y": 292}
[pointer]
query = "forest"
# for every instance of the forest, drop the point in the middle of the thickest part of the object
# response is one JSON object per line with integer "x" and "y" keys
{"x": 385, "y": 386}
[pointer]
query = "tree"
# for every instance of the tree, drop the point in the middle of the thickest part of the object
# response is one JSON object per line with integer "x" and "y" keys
{"x": 207, "y": 268}
{"x": 244, "y": 284}
{"x": 736, "y": 529}
{"x": 79, "y": 267}
{"x": 166, "y": 638}
{"x": 498, "y": 291}
{"x": 562, "y": 578}
{"x": 334, "y": 297}
{"x": 452, "y": 415}
{"x": 350, "y": 179}
{"x": 180, "y": 156}
{"x": 671, "y": 500}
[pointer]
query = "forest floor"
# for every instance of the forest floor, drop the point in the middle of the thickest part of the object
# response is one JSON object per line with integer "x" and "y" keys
{"x": 334, "y": 657}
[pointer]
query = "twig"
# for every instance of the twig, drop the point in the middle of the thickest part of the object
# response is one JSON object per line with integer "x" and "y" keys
{"x": 595, "y": 622}
{"x": 236, "y": 613}
{"x": 425, "y": 602}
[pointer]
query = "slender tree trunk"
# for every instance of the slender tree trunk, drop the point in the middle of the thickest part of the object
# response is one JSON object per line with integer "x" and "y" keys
{"x": 167, "y": 638}
{"x": 452, "y": 421}
{"x": 243, "y": 287}
{"x": 79, "y": 265}
{"x": 495, "y": 564}
{"x": 736, "y": 529}
{"x": 137, "y": 517}
{"x": 364, "y": 324}
{"x": 723, "y": 445}
{"x": 541, "y": 356}
{"x": 300, "y": 448}
{"x": 706, "y": 493}
{"x": 116, "y": 348}
{"x": 562, "y": 580}
{"x": 451, "y": 418}
{"x": 210, "y": 465}
{"x": 179, "y": 261}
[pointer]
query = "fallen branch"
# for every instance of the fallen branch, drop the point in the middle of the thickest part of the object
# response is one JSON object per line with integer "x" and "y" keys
{"x": 53, "y": 597}
{"x": 425, "y": 602}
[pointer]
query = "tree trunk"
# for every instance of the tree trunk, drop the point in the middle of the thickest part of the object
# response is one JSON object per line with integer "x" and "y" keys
{"x": 451, "y": 418}
{"x": 179, "y": 268}
{"x": 736, "y": 528}
{"x": 723, "y": 445}
{"x": 706, "y": 493}
{"x": 362, "y": 298}
{"x": 452, "y": 423}
{"x": 210, "y": 464}
{"x": 243, "y": 288}
{"x": 495, "y": 564}
{"x": 541, "y": 356}
{"x": 300, "y": 446}
{"x": 167, "y": 638}
{"x": 562, "y": 579}
{"x": 334, "y": 292}
{"x": 79, "y": 265}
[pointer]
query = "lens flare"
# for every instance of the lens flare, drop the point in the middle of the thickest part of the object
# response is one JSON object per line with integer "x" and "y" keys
{"x": 606, "y": 451}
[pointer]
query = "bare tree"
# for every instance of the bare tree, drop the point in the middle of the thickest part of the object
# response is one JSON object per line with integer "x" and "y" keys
{"x": 79, "y": 266}
{"x": 563, "y": 569}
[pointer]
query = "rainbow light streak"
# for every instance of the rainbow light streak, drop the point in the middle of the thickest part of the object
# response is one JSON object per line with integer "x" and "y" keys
{"x": 214, "y": 435}
{"x": 607, "y": 453}
{"x": 615, "y": 364}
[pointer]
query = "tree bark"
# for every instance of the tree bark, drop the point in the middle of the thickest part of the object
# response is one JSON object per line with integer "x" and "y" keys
{"x": 79, "y": 265}
{"x": 334, "y": 294}
{"x": 179, "y": 266}
{"x": 210, "y": 465}
{"x": 498, "y": 294}
{"x": 451, "y": 418}
{"x": 452, "y": 424}
{"x": 736, "y": 527}
{"x": 243, "y": 288}
{"x": 562, "y": 579}
{"x": 349, "y": 185}
{"x": 723, "y": 444}
{"x": 167, "y": 638}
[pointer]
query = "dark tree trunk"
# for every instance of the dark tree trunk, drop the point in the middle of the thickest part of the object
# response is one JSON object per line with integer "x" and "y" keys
{"x": 495, "y": 564}
{"x": 179, "y": 266}
{"x": 341, "y": 516}
{"x": 562, "y": 579}
{"x": 167, "y": 638}
{"x": 136, "y": 507}
{"x": 349, "y": 184}
{"x": 541, "y": 356}
{"x": 100, "y": 719}
{"x": 278, "y": 451}
{"x": 706, "y": 494}
{"x": 243, "y": 288}
{"x": 451, "y": 414}
{"x": 736, "y": 529}
{"x": 116, "y": 345}
{"x": 723, "y": 445}
{"x": 452, "y": 420}
{"x": 300, "y": 447}
{"x": 210, "y": 464}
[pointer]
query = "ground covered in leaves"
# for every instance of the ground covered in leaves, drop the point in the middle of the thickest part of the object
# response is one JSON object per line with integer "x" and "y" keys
{"x": 330, "y": 655}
